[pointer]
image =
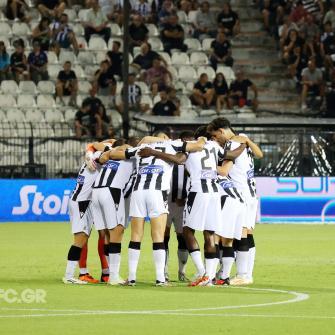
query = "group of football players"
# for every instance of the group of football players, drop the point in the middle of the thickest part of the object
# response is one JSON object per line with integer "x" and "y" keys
{"x": 199, "y": 182}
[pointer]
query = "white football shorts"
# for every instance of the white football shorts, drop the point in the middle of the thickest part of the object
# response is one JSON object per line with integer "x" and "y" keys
{"x": 202, "y": 211}
{"x": 148, "y": 203}
{"x": 108, "y": 208}
{"x": 81, "y": 216}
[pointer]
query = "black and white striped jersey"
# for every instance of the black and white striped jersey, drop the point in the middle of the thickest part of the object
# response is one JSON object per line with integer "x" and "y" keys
{"x": 242, "y": 172}
{"x": 85, "y": 181}
{"x": 179, "y": 183}
{"x": 228, "y": 188}
{"x": 115, "y": 174}
{"x": 153, "y": 173}
{"x": 202, "y": 168}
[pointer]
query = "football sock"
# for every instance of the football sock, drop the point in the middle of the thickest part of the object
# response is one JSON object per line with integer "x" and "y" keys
{"x": 83, "y": 260}
{"x": 220, "y": 252}
{"x": 101, "y": 251}
{"x": 114, "y": 260}
{"x": 134, "y": 251}
{"x": 166, "y": 246}
{"x": 227, "y": 261}
{"x": 72, "y": 261}
{"x": 242, "y": 256}
{"x": 182, "y": 254}
{"x": 159, "y": 254}
{"x": 210, "y": 264}
{"x": 83, "y": 271}
{"x": 196, "y": 258}
{"x": 252, "y": 254}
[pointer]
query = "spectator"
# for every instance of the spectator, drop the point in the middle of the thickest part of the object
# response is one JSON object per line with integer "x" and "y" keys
{"x": 144, "y": 60}
{"x": 205, "y": 22}
{"x": 143, "y": 9}
{"x": 165, "y": 107}
{"x": 221, "y": 92}
{"x": 312, "y": 82}
{"x": 221, "y": 51}
{"x": 285, "y": 28}
{"x": 96, "y": 23}
{"x": 42, "y": 33}
{"x": 330, "y": 16}
{"x": 310, "y": 32}
{"x": 104, "y": 80}
{"x": 63, "y": 35}
{"x": 107, "y": 7}
{"x": 158, "y": 74}
{"x": 115, "y": 58}
{"x": 117, "y": 15}
{"x": 166, "y": 11}
{"x": 18, "y": 62}
{"x": 299, "y": 13}
{"x": 228, "y": 20}
{"x": 297, "y": 62}
{"x": 38, "y": 61}
{"x": 203, "y": 92}
{"x": 67, "y": 85}
{"x": 87, "y": 122}
{"x": 172, "y": 96}
{"x": 4, "y": 63}
{"x": 328, "y": 45}
{"x": 292, "y": 41}
{"x": 173, "y": 35}
{"x": 238, "y": 92}
{"x": 138, "y": 32}
{"x": 268, "y": 8}
{"x": 17, "y": 9}
{"x": 51, "y": 8}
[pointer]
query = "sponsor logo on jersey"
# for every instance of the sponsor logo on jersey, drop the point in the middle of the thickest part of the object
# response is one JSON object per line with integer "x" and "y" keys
{"x": 151, "y": 169}
{"x": 250, "y": 174}
{"x": 208, "y": 174}
{"x": 113, "y": 165}
{"x": 226, "y": 184}
{"x": 80, "y": 179}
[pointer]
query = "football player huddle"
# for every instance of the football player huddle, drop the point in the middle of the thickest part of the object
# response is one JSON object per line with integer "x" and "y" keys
{"x": 199, "y": 182}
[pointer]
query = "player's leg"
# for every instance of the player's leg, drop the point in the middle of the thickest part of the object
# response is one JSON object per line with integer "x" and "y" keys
{"x": 166, "y": 244}
{"x": 210, "y": 254}
{"x": 83, "y": 270}
{"x": 228, "y": 257}
{"x": 252, "y": 254}
{"x": 182, "y": 257}
{"x": 103, "y": 239}
{"x": 158, "y": 225}
{"x": 116, "y": 235}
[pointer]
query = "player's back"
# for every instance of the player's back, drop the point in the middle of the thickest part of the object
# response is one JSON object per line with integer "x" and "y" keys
{"x": 202, "y": 167}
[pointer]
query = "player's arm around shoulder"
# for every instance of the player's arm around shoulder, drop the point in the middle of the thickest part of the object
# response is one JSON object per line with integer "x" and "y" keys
{"x": 233, "y": 154}
{"x": 195, "y": 146}
{"x": 224, "y": 169}
{"x": 256, "y": 150}
{"x": 178, "y": 158}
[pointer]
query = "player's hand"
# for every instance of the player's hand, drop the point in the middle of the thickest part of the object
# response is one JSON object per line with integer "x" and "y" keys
{"x": 146, "y": 152}
{"x": 90, "y": 162}
{"x": 202, "y": 139}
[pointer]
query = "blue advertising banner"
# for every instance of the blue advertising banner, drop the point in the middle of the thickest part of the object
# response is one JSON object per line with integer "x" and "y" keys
{"x": 293, "y": 200}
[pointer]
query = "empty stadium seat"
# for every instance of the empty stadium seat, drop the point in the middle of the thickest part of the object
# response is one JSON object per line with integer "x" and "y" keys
{"x": 85, "y": 57}
{"x": 115, "y": 29}
{"x": 84, "y": 86}
{"x": 146, "y": 99}
{"x": 97, "y": 43}
{"x": 81, "y": 42}
{"x": 156, "y": 43}
{"x": 20, "y": 29}
{"x": 227, "y": 72}
{"x": 45, "y": 101}
{"x": 46, "y": 87}
{"x": 26, "y": 100}
{"x": 7, "y": 129}
{"x": 27, "y": 87}
{"x": 15, "y": 115}
{"x": 7, "y": 100}
{"x": 208, "y": 70}
{"x": 53, "y": 70}
{"x": 82, "y": 15}
{"x": 185, "y": 102}
{"x": 42, "y": 129}
{"x": 180, "y": 58}
{"x": 5, "y": 29}
{"x": 53, "y": 115}
{"x": 71, "y": 13}
{"x": 69, "y": 115}
{"x": 153, "y": 31}
{"x": 62, "y": 130}
{"x": 187, "y": 73}
{"x": 78, "y": 29}
{"x": 9, "y": 87}
{"x": 3, "y": 116}
{"x": 192, "y": 16}
{"x": 143, "y": 86}
{"x": 182, "y": 16}
{"x": 66, "y": 55}
{"x": 198, "y": 58}
{"x": 100, "y": 56}
{"x": 179, "y": 86}
{"x": 5, "y": 40}
{"x": 52, "y": 57}
{"x": 34, "y": 115}
{"x": 206, "y": 43}
{"x": 173, "y": 72}
{"x": 193, "y": 44}
{"x": 166, "y": 57}
{"x": 79, "y": 71}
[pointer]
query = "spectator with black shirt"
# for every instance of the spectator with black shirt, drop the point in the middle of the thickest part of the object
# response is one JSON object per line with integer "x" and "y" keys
{"x": 51, "y": 8}
{"x": 203, "y": 92}
{"x": 293, "y": 40}
{"x": 87, "y": 123}
{"x": 38, "y": 61}
{"x": 138, "y": 32}
{"x": 144, "y": 60}
{"x": 297, "y": 62}
{"x": 238, "y": 92}
{"x": 4, "y": 63}
{"x": 173, "y": 35}
{"x": 221, "y": 51}
{"x": 165, "y": 107}
{"x": 104, "y": 80}
{"x": 328, "y": 45}
{"x": 228, "y": 20}
{"x": 67, "y": 85}
{"x": 18, "y": 62}
{"x": 221, "y": 91}
{"x": 42, "y": 33}
{"x": 116, "y": 58}
{"x": 17, "y": 10}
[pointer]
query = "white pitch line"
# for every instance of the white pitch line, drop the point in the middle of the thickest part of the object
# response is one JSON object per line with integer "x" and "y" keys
{"x": 298, "y": 297}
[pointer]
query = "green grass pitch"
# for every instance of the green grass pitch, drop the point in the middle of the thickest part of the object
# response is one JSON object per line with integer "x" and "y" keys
{"x": 299, "y": 258}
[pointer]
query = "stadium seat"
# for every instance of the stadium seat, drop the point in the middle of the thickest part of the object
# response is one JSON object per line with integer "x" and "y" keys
{"x": 166, "y": 57}
{"x": 46, "y": 101}
{"x": 65, "y": 56}
{"x": 42, "y": 129}
{"x": 185, "y": 102}
{"x": 227, "y": 72}
{"x": 179, "y": 86}
{"x": 143, "y": 86}
{"x": 180, "y": 58}
{"x": 156, "y": 99}
{"x": 173, "y": 72}
{"x": 193, "y": 44}
{"x": 153, "y": 31}
{"x": 188, "y": 114}
{"x": 27, "y": 87}
{"x": 90, "y": 70}
{"x": 206, "y": 44}
{"x": 71, "y": 13}
{"x": 20, "y": 29}
{"x": 208, "y": 70}
{"x": 23, "y": 129}
{"x": 116, "y": 118}
{"x": 97, "y": 43}
{"x": 115, "y": 29}
{"x": 81, "y": 42}
{"x": 189, "y": 86}
{"x": 26, "y": 100}
{"x": 79, "y": 71}
{"x": 3, "y": 116}
{"x": 15, "y": 115}
{"x": 100, "y": 56}
{"x": 85, "y": 57}
{"x": 46, "y": 87}
{"x": 62, "y": 130}
{"x": 34, "y": 115}
{"x": 6, "y": 41}
{"x": 78, "y": 29}
{"x": 53, "y": 70}
{"x": 69, "y": 115}
{"x": 192, "y": 16}
{"x": 82, "y": 15}
{"x": 7, "y": 130}
{"x": 182, "y": 16}
{"x": 198, "y": 58}
{"x": 187, "y": 73}
{"x": 52, "y": 57}
{"x": 7, "y": 100}
{"x": 156, "y": 43}
{"x": 9, "y": 87}
{"x": 5, "y": 29}
{"x": 84, "y": 86}
{"x": 53, "y": 115}
{"x": 146, "y": 99}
